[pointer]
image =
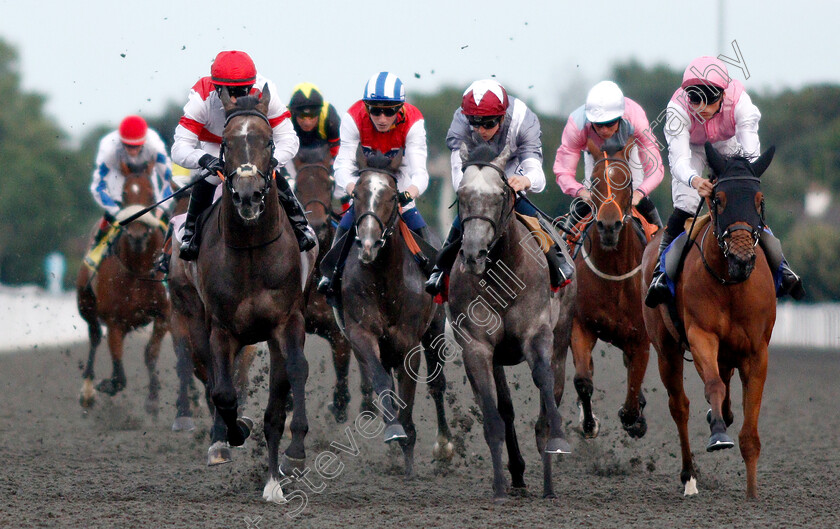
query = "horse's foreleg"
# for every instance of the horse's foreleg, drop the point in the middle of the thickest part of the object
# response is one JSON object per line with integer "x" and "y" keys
{"x": 671, "y": 373}
{"x": 582, "y": 343}
{"x": 443, "y": 450}
{"x": 753, "y": 375}
{"x": 516, "y": 464}
{"x": 275, "y": 420}
{"x": 341, "y": 361}
{"x": 562, "y": 338}
{"x": 538, "y": 353}
{"x": 88, "y": 393}
{"x": 116, "y": 383}
{"x": 704, "y": 350}
{"x": 150, "y": 356}
{"x": 291, "y": 341}
{"x": 407, "y": 390}
{"x": 241, "y": 369}
{"x": 478, "y": 363}
{"x": 726, "y": 374}
{"x": 631, "y": 414}
{"x": 223, "y": 393}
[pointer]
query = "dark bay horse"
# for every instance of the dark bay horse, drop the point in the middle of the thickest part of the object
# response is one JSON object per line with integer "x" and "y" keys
{"x": 314, "y": 186}
{"x": 387, "y": 313}
{"x": 126, "y": 293}
{"x": 726, "y": 301}
{"x": 244, "y": 288}
{"x": 503, "y": 312}
{"x": 609, "y": 291}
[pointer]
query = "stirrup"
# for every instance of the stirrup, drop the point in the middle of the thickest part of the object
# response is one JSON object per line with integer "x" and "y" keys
{"x": 434, "y": 284}
{"x": 306, "y": 241}
{"x": 324, "y": 286}
{"x": 658, "y": 291}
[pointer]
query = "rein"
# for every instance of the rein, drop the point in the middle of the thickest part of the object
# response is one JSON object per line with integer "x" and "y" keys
{"x": 610, "y": 195}
{"x": 327, "y": 207}
{"x": 388, "y": 228}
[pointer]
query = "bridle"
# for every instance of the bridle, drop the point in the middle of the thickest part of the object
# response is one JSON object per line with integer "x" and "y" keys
{"x": 227, "y": 177}
{"x": 327, "y": 207}
{"x": 503, "y": 220}
{"x": 625, "y": 215}
{"x": 386, "y": 228}
{"x": 723, "y": 235}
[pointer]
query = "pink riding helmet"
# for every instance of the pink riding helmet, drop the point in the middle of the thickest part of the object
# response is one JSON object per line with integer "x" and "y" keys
{"x": 706, "y": 71}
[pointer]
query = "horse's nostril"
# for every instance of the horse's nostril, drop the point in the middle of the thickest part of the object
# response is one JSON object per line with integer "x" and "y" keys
{"x": 600, "y": 225}
{"x": 256, "y": 197}
{"x": 482, "y": 253}
{"x": 236, "y": 198}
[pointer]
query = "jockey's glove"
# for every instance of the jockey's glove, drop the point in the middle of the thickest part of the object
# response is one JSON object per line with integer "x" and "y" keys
{"x": 404, "y": 198}
{"x": 211, "y": 164}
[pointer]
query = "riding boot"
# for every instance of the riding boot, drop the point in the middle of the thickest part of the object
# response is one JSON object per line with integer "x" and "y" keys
{"x": 560, "y": 271}
{"x": 162, "y": 261}
{"x": 580, "y": 210}
{"x": 648, "y": 210}
{"x": 300, "y": 226}
{"x": 658, "y": 292}
{"x": 200, "y": 199}
{"x": 445, "y": 259}
{"x": 325, "y": 285}
{"x": 791, "y": 283}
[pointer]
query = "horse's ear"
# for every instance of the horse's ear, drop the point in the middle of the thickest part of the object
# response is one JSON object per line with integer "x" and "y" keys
{"x": 464, "y": 151}
{"x": 361, "y": 161}
{"x": 760, "y": 165}
{"x": 501, "y": 160}
{"x": 124, "y": 169}
{"x": 262, "y": 106}
{"x": 227, "y": 104}
{"x": 716, "y": 160}
{"x": 396, "y": 162}
{"x": 593, "y": 149}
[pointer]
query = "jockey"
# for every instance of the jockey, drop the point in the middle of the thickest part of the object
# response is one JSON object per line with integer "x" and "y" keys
{"x": 708, "y": 106}
{"x": 384, "y": 122}
{"x": 488, "y": 116}
{"x": 198, "y": 139}
{"x": 130, "y": 149}
{"x": 609, "y": 119}
{"x": 316, "y": 121}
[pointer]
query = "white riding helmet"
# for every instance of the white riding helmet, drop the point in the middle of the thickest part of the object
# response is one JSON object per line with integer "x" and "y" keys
{"x": 604, "y": 103}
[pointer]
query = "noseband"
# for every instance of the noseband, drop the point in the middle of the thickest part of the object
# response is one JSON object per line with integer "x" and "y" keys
{"x": 502, "y": 221}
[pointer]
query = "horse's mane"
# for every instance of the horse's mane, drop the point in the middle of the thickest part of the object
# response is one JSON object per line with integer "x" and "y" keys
{"x": 377, "y": 160}
{"x": 736, "y": 159}
{"x": 311, "y": 154}
{"x": 248, "y": 102}
{"x": 482, "y": 153}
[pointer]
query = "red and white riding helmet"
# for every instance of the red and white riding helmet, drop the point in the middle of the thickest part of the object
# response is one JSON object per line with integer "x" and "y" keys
{"x": 133, "y": 130}
{"x": 485, "y": 98}
{"x": 233, "y": 68}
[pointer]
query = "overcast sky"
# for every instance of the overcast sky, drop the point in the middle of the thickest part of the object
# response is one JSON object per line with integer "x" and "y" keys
{"x": 98, "y": 60}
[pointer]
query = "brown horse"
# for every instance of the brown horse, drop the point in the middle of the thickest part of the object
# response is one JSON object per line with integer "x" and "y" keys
{"x": 725, "y": 299}
{"x": 503, "y": 312}
{"x": 607, "y": 307}
{"x": 314, "y": 188}
{"x": 387, "y": 312}
{"x": 244, "y": 288}
{"x": 126, "y": 293}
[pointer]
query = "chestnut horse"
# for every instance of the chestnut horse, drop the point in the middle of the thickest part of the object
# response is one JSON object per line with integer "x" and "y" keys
{"x": 503, "y": 312}
{"x": 244, "y": 288}
{"x": 126, "y": 293}
{"x": 388, "y": 316}
{"x": 314, "y": 186}
{"x": 726, "y": 301}
{"x": 607, "y": 308}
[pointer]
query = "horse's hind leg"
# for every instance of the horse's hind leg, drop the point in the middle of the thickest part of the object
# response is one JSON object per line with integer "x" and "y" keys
{"x": 478, "y": 365}
{"x": 288, "y": 345}
{"x": 582, "y": 343}
{"x": 241, "y": 369}
{"x": 274, "y": 422}
{"x": 558, "y": 365}
{"x": 671, "y": 373}
{"x": 341, "y": 361}
{"x": 434, "y": 336}
{"x": 753, "y": 374}
{"x": 88, "y": 393}
{"x": 151, "y": 354}
{"x": 636, "y": 358}
{"x": 704, "y": 349}
{"x": 115, "y": 384}
{"x": 516, "y": 465}
{"x": 407, "y": 390}
{"x": 184, "y": 368}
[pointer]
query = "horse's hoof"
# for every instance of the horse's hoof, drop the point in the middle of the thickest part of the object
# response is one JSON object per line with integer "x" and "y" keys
{"x": 288, "y": 465}
{"x": 87, "y": 397}
{"x": 709, "y": 416}
{"x": 690, "y": 487}
{"x": 719, "y": 441}
{"x": 183, "y": 424}
{"x": 549, "y": 496}
{"x": 87, "y": 402}
{"x": 340, "y": 414}
{"x": 394, "y": 432}
{"x": 638, "y": 429}
{"x": 273, "y": 492}
{"x": 109, "y": 387}
{"x": 520, "y": 491}
{"x": 500, "y": 499}
{"x": 443, "y": 452}
{"x": 218, "y": 454}
{"x": 245, "y": 425}
{"x": 557, "y": 445}
{"x": 152, "y": 407}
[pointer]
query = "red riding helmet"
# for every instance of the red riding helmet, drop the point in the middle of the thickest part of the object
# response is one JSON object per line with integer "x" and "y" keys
{"x": 233, "y": 68}
{"x": 485, "y": 98}
{"x": 133, "y": 130}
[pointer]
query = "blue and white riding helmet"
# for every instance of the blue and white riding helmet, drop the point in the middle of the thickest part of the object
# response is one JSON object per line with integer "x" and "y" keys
{"x": 384, "y": 87}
